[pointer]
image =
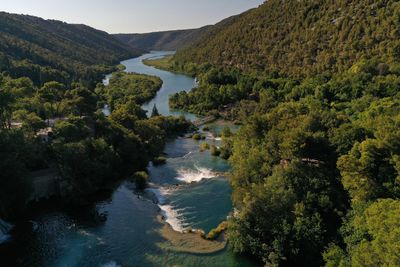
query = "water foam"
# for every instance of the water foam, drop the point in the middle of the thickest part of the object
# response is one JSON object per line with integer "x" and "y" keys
{"x": 159, "y": 194}
{"x": 173, "y": 217}
{"x": 111, "y": 264}
{"x": 190, "y": 176}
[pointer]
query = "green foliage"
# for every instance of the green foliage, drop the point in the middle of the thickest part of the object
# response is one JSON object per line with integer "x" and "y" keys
{"x": 217, "y": 88}
{"x": 124, "y": 87}
{"x": 72, "y": 130}
{"x": 31, "y": 122}
{"x": 162, "y": 41}
{"x": 216, "y": 232}
{"x": 19, "y": 155}
{"x": 204, "y": 146}
{"x": 311, "y": 133}
{"x": 88, "y": 149}
{"x": 164, "y": 63}
{"x": 197, "y": 137}
{"x": 372, "y": 236}
{"x": 215, "y": 151}
{"x": 301, "y": 38}
{"x": 87, "y": 164}
{"x": 49, "y": 50}
{"x": 154, "y": 112}
{"x": 141, "y": 179}
{"x": 50, "y": 96}
{"x": 159, "y": 161}
{"x": 80, "y": 101}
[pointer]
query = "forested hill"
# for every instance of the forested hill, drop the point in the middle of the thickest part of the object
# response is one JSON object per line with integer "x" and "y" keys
{"x": 46, "y": 50}
{"x": 302, "y": 38}
{"x": 168, "y": 40}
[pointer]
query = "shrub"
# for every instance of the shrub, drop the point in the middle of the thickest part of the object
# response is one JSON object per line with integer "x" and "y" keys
{"x": 197, "y": 137}
{"x": 216, "y": 232}
{"x": 159, "y": 161}
{"x": 140, "y": 179}
{"x": 204, "y": 147}
{"x": 215, "y": 151}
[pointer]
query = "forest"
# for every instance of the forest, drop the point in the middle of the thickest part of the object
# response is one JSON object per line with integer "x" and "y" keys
{"x": 88, "y": 149}
{"x": 318, "y": 156}
{"x": 300, "y": 38}
{"x": 50, "y": 50}
{"x": 51, "y": 118}
{"x": 315, "y": 85}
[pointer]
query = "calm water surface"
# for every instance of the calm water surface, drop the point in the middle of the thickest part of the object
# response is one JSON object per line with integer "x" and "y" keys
{"x": 123, "y": 230}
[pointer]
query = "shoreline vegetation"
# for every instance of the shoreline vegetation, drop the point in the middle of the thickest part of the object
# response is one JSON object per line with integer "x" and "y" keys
{"x": 316, "y": 162}
{"x": 165, "y": 63}
{"x": 299, "y": 145}
{"x": 61, "y": 131}
{"x": 190, "y": 241}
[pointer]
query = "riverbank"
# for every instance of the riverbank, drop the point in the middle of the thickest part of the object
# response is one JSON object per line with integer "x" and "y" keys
{"x": 164, "y": 63}
{"x": 127, "y": 228}
{"x": 190, "y": 241}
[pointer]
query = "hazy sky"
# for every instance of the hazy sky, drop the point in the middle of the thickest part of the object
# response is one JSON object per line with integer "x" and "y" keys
{"x": 129, "y": 16}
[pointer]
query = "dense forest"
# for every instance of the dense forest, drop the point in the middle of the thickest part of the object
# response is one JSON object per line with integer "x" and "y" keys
{"x": 167, "y": 41}
{"x": 301, "y": 38}
{"x": 49, "y": 50}
{"x": 314, "y": 84}
{"x": 86, "y": 148}
{"x": 52, "y": 123}
{"x": 316, "y": 162}
{"x": 124, "y": 87}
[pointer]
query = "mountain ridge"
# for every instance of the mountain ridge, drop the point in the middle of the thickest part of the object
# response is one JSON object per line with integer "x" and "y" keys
{"x": 301, "y": 38}
{"x": 46, "y": 50}
{"x": 162, "y": 40}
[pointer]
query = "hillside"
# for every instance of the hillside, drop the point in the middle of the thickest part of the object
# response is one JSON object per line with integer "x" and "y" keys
{"x": 302, "y": 38}
{"x": 47, "y": 50}
{"x": 315, "y": 164}
{"x": 168, "y": 40}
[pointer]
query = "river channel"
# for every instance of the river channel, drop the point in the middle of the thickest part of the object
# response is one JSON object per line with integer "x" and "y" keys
{"x": 191, "y": 191}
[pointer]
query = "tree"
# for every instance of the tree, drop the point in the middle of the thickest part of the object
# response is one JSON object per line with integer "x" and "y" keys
{"x": 154, "y": 112}
{"x": 371, "y": 233}
{"x": 6, "y": 107}
{"x": 80, "y": 101}
{"x": 30, "y": 121}
{"x": 51, "y": 95}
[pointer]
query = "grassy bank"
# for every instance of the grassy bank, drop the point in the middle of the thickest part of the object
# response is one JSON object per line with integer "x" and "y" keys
{"x": 164, "y": 63}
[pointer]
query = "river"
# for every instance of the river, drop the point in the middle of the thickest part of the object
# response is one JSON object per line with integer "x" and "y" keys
{"x": 190, "y": 192}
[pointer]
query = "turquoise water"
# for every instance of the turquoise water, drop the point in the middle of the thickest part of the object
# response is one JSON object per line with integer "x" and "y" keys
{"x": 190, "y": 191}
{"x": 172, "y": 83}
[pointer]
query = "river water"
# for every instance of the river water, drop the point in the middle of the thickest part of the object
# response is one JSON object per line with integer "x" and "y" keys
{"x": 190, "y": 191}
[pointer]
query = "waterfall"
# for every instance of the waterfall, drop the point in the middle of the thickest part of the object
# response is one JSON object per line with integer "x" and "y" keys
{"x": 4, "y": 229}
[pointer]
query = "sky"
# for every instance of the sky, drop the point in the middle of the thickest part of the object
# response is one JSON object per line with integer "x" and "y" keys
{"x": 132, "y": 16}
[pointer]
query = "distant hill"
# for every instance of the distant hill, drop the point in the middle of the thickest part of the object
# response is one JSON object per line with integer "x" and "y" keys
{"x": 301, "y": 38}
{"x": 47, "y": 50}
{"x": 167, "y": 40}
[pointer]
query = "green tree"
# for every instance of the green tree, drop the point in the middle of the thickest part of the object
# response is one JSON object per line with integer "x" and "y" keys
{"x": 154, "y": 111}
{"x": 51, "y": 95}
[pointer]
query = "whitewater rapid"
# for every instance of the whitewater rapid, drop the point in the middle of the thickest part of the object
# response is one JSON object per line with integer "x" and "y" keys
{"x": 176, "y": 217}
